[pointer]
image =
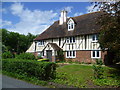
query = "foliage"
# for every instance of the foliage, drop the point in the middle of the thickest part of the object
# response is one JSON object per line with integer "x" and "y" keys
{"x": 60, "y": 55}
{"x": 7, "y": 54}
{"x": 28, "y": 56}
{"x": 106, "y": 82}
{"x": 40, "y": 70}
{"x": 39, "y": 57}
{"x": 110, "y": 29}
{"x": 16, "y": 42}
{"x": 98, "y": 71}
{"x": 99, "y": 62}
{"x": 111, "y": 78}
{"x": 45, "y": 59}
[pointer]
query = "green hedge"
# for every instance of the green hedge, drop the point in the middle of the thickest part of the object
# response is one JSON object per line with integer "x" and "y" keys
{"x": 7, "y": 54}
{"x": 40, "y": 70}
{"x": 29, "y": 56}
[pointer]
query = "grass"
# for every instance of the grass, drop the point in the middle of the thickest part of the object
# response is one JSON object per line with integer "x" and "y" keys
{"x": 82, "y": 76}
{"x": 74, "y": 75}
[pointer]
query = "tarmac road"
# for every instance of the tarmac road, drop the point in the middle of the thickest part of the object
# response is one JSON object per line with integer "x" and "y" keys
{"x": 8, "y": 82}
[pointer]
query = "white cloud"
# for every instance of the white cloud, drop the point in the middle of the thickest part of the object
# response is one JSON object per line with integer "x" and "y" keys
{"x": 68, "y": 8}
{"x": 5, "y": 23}
{"x": 91, "y": 8}
{"x": 17, "y": 8}
{"x": 33, "y": 21}
{"x": 78, "y": 14}
{"x": 3, "y": 10}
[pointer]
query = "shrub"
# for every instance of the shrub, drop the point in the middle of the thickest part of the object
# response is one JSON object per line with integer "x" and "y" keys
{"x": 40, "y": 70}
{"x": 98, "y": 71}
{"x": 99, "y": 62}
{"x": 28, "y": 56}
{"x": 60, "y": 55}
{"x": 7, "y": 54}
{"x": 39, "y": 57}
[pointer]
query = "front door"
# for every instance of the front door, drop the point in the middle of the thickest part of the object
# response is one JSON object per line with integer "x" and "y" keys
{"x": 49, "y": 54}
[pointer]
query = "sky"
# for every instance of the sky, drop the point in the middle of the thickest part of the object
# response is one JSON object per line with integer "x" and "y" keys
{"x": 35, "y": 17}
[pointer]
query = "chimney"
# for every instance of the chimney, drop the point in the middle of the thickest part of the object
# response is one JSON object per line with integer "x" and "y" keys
{"x": 63, "y": 17}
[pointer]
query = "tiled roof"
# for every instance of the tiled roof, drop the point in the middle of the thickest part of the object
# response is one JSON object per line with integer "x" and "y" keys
{"x": 84, "y": 24}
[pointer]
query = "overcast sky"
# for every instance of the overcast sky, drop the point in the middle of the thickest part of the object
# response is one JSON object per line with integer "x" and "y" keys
{"x": 35, "y": 17}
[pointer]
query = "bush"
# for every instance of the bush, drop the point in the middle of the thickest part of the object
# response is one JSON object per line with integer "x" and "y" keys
{"x": 40, "y": 70}
{"x": 39, "y": 57}
{"x": 28, "y": 56}
{"x": 7, "y": 54}
{"x": 60, "y": 55}
{"x": 98, "y": 71}
{"x": 99, "y": 62}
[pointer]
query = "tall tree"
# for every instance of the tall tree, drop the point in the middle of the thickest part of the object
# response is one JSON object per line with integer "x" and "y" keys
{"x": 16, "y": 42}
{"x": 110, "y": 28}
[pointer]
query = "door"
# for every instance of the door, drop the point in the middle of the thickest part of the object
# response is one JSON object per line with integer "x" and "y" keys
{"x": 49, "y": 54}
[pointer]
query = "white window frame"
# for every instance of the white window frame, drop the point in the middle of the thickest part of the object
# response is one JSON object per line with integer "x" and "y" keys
{"x": 68, "y": 39}
{"x": 71, "y": 53}
{"x": 95, "y": 54}
{"x": 41, "y": 43}
{"x": 71, "y": 25}
{"x": 96, "y": 40}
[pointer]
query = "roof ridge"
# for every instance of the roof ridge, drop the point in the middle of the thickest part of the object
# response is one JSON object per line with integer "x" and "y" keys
{"x": 86, "y": 14}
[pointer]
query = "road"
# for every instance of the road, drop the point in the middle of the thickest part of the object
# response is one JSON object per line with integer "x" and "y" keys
{"x": 8, "y": 82}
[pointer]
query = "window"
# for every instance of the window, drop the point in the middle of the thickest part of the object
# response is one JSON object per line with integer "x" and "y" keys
{"x": 95, "y": 38}
{"x": 41, "y": 43}
{"x": 95, "y": 54}
{"x": 70, "y": 39}
{"x": 70, "y": 54}
{"x": 71, "y": 24}
{"x": 67, "y": 53}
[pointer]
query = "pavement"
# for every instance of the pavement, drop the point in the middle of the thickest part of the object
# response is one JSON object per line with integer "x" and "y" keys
{"x": 9, "y": 82}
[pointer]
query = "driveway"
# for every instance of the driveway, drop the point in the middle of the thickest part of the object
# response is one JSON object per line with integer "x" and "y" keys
{"x": 8, "y": 82}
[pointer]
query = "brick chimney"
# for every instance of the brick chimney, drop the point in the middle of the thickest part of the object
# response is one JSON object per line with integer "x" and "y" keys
{"x": 63, "y": 17}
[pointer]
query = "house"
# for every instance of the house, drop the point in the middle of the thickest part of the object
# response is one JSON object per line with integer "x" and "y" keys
{"x": 76, "y": 36}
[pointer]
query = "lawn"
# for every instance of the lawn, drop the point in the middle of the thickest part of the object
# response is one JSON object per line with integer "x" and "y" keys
{"x": 82, "y": 76}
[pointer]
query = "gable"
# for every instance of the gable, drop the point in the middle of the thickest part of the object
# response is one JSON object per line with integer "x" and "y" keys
{"x": 70, "y": 21}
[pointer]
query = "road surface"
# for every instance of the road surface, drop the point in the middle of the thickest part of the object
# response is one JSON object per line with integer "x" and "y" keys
{"x": 8, "y": 82}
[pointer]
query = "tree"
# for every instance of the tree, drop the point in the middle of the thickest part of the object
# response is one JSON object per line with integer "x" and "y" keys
{"x": 15, "y": 42}
{"x": 109, "y": 37}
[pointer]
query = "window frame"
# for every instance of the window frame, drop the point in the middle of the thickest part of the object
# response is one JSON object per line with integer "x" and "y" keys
{"x": 71, "y": 39}
{"x": 96, "y": 52}
{"x": 41, "y": 43}
{"x": 95, "y": 38}
{"x": 71, "y": 56}
{"x": 71, "y": 25}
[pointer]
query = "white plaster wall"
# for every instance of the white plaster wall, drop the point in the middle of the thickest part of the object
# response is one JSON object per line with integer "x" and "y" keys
{"x": 31, "y": 48}
{"x": 78, "y": 45}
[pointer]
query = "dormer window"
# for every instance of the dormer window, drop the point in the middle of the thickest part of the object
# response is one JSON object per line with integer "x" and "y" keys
{"x": 71, "y": 25}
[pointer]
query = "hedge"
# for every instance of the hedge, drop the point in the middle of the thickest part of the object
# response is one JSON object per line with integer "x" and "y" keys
{"x": 28, "y": 56}
{"x": 40, "y": 70}
{"x": 7, "y": 54}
